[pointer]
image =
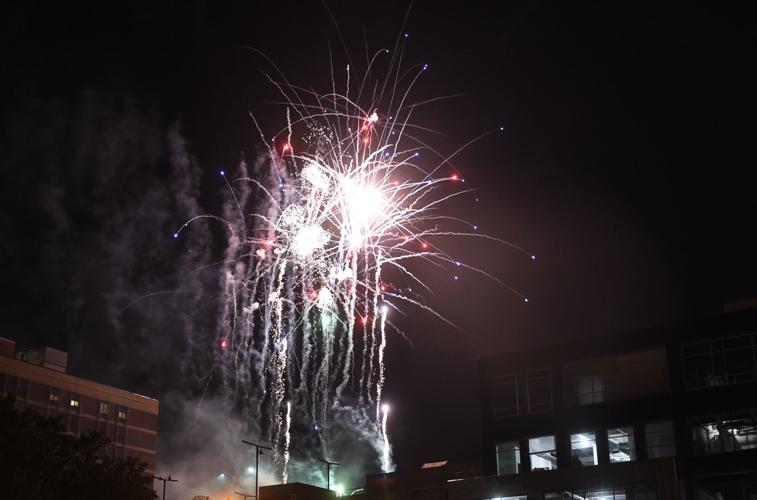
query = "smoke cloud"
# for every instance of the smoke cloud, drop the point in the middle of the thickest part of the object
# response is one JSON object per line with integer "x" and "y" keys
{"x": 93, "y": 190}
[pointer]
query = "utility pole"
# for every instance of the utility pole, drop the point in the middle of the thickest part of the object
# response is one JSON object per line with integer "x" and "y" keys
{"x": 258, "y": 451}
{"x": 328, "y": 471}
{"x": 165, "y": 480}
{"x": 244, "y": 495}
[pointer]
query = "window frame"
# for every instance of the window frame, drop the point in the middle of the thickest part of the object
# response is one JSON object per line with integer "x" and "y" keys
{"x": 595, "y": 451}
{"x": 518, "y": 463}
{"x": 673, "y": 443}
{"x": 631, "y": 441}
{"x": 531, "y": 454}
{"x": 520, "y": 379}
{"x": 717, "y": 348}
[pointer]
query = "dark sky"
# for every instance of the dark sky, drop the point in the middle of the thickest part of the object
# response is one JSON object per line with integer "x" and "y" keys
{"x": 626, "y": 165}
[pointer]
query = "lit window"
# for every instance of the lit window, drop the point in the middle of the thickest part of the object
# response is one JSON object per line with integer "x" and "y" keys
{"x": 620, "y": 444}
{"x": 724, "y": 434}
{"x": 638, "y": 491}
{"x": 121, "y": 415}
{"x": 590, "y": 390}
{"x": 583, "y": 448}
{"x": 508, "y": 458}
{"x": 542, "y": 452}
{"x": 104, "y": 408}
{"x": 660, "y": 439}
{"x": 53, "y": 397}
{"x": 74, "y": 402}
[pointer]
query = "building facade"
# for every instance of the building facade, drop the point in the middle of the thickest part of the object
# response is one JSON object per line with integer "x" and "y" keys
{"x": 668, "y": 412}
{"x": 37, "y": 379}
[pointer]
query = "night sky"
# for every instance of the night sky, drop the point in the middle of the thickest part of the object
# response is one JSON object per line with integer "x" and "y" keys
{"x": 626, "y": 165}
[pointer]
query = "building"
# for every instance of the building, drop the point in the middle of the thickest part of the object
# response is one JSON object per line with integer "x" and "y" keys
{"x": 668, "y": 412}
{"x": 37, "y": 379}
{"x": 295, "y": 491}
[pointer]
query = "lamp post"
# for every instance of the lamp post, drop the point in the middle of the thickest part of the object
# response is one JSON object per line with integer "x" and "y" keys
{"x": 328, "y": 471}
{"x": 165, "y": 480}
{"x": 258, "y": 451}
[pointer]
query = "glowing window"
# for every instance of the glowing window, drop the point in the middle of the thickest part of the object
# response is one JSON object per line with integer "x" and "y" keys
{"x": 620, "y": 444}
{"x": 583, "y": 448}
{"x": 54, "y": 396}
{"x": 103, "y": 408}
{"x": 542, "y": 452}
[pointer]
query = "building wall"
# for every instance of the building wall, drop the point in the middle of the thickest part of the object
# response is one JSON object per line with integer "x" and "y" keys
{"x": 129, "y": 420}
{"x": 700, "y": 378}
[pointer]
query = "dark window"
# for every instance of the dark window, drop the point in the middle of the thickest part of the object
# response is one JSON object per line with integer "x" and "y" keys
{"x": 590, "y": 389}
{"x": 730, "y": 360}
{"x": 22, "y": 388}
{"x": 2, "y": 383}
{"x": 629, "y": 375}
{"x": 724, "y": 434}
{"x": 508, "y": 458}
{"x": 660, "y": 439}
{"x": 522, "y": 393}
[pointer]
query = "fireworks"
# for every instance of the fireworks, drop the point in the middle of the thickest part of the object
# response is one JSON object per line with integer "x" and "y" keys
{"x": 342, "y": 202}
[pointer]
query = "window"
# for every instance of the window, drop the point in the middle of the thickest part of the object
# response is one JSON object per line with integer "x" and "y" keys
{"x": 724, "y": 434}
{"x": 729, "y": 360}
{"x": 590, "y": 390}
{"x": 542, "y": 452}
{"x": 583, "y": 448}
{"x": 522, "y": 393}
{"x": 121, "y": 414}
{"x": 54, "y": 395}
{"x": 618, "y": 377}
{"x": 22, "y": 388}
{"x": 508, "y": 458}
{"x": 635, "y": 491}
{"x": 621, "y": 445}
{"x": 103, "y": 408}
{"x": 660, "y": 439}
{"x": 74, "y": 401}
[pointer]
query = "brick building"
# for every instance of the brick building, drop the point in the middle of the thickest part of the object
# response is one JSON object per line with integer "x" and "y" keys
{"x": 37, "y": 379}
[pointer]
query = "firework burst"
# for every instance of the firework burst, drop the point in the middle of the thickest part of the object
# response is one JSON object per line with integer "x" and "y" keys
{"x": 341, "y": 201}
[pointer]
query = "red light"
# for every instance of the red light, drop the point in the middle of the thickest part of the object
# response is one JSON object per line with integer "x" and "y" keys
{"x": 396, "y": 183}
{"x": 365, "y": 320}
{"x": 223, "y": 343}
{"x": 424, "y": 245}
{"x": 454, "y": 177}
{"x": 286, "y": 148}
{"x": 365, "y": 140}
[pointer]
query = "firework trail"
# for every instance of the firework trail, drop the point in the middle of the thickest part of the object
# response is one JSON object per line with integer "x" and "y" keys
{"x": 340, "y": 203}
